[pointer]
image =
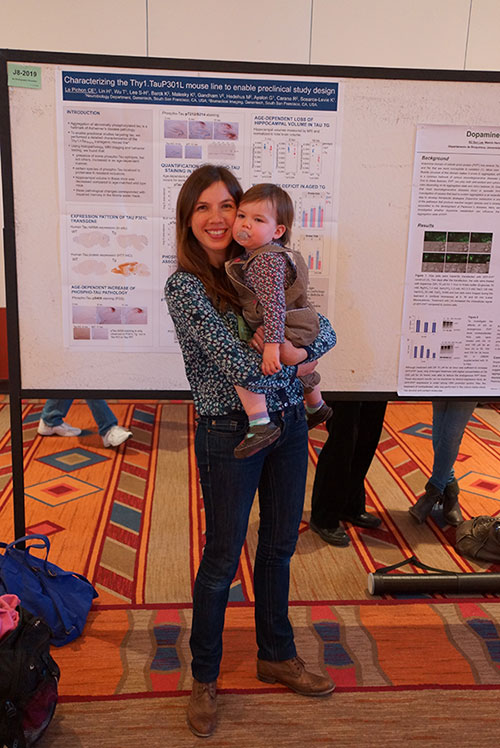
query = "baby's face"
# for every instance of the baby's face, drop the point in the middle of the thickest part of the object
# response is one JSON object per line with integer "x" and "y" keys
{"x": 256, "y": 225}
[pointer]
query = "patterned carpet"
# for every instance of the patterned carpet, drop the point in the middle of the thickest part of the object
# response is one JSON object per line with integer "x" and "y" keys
{"x": 132, "y": 520}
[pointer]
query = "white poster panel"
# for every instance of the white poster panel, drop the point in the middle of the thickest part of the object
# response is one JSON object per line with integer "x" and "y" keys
{"x": 450, "y": 338}
{"x": 127, "y": 140}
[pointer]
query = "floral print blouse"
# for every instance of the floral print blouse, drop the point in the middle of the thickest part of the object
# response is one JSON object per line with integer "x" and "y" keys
{"x": 216, "y": 359}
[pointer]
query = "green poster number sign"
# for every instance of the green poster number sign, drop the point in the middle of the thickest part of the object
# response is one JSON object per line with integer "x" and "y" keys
{"x": 25, "y": 76}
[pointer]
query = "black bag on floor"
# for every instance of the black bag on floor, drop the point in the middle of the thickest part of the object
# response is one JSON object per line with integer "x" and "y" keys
{"x": 479, "y": 538}
{"x": 28, "y": 682}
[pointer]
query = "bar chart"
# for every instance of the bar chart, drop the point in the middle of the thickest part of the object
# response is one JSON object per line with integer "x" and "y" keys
{"x": 312, "y": 213}
{"x": 425, "y": 326}
{"x": 311, "y": 249}
{"x": 421, "y": 351}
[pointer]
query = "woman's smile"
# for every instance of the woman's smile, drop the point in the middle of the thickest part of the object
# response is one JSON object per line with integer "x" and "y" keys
{"x": 212, "y": 221}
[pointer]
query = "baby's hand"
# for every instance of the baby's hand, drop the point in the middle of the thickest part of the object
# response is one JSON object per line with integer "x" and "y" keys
{"x": 271, "y": 358}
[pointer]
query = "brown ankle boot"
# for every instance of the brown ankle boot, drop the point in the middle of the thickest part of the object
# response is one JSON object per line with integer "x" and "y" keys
{"x": 451, "y": 507}
{"x": 423, "y": 507}
{"x": 293, "y": 674}
{"x": 202, "y": 708}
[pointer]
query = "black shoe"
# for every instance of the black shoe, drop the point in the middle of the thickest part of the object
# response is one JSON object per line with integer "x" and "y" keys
{"x": 421, "y": 510}
{"x": 451, "y": 508}
{"x": 364, "y": 520}
{"x": 335, "y": 536}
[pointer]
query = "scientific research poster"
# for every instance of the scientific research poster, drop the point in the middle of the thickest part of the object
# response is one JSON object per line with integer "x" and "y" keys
{"x": 450, "y": 339}
{"x": 127, "y": 140}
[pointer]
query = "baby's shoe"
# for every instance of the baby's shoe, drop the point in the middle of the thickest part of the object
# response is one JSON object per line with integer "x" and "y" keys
{"x": 260, "y": 436}
{"x": 320, "y": 415}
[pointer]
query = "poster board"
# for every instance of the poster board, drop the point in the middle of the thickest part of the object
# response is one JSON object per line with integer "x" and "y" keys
{"x": 377, "y": 117}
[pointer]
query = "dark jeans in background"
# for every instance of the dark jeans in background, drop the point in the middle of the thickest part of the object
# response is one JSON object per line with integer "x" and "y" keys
{"x": 353, "y": 434}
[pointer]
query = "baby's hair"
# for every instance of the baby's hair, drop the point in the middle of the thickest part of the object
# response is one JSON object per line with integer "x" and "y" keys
{"x": 279, "y": 199}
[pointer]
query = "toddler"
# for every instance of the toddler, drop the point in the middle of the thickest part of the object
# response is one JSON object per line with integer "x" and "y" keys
{"x": 271, "y": 281}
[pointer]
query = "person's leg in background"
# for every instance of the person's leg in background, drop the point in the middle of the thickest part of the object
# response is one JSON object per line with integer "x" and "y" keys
{"x": 54, "y": 411}
{"x": 449, "y": 420}
{"x": 331, "y": 481}
{"x": 338, "y": 491}
{"x": 52, "y": 419}
{"x": 370, "y": 422}
{"x": 112, "y": 434}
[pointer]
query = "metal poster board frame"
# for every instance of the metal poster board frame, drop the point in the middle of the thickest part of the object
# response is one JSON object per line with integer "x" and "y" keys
{"x": 390, "y": 93}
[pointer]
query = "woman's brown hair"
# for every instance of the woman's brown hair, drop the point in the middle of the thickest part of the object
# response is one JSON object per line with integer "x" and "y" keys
{"x": 190, "y": 255}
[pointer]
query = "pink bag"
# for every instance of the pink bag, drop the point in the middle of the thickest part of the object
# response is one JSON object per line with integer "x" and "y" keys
{"x": 9, "y": 617}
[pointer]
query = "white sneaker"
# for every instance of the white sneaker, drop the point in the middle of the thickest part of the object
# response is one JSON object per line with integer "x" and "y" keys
{"x": 64, "y": 429}
{"x": 115, "y": 436}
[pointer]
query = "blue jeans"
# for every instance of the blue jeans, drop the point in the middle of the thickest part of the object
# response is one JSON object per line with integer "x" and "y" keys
{"x": 449, "y": 419}
{"x": 54, "y": 413}
{"x": 229, "y": 486}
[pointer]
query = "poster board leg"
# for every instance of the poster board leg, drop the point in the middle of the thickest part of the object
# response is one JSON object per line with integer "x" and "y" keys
{"x": 16, "y": 430}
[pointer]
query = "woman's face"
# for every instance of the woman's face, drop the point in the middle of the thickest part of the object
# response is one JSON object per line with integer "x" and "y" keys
{"x": 212, "y": 221}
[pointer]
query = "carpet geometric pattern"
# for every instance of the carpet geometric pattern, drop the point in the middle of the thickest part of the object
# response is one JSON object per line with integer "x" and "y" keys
{"x": 59, "y": 491}
{"x": 72, "y": 459}
{"x": 146, "y": 648}
{"x": 132, "y": 520}
{"x": 120, "y": 568}
{"x": 142, "y": 510}
{"x": 44, "y": 528}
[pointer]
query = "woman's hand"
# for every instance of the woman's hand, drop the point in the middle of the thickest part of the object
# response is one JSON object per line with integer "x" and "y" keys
{"x": 307, "y": 368}
{"x": 257, "y": 342}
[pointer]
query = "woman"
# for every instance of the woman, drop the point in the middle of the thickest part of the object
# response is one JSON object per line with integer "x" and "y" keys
{"x": 204, "y": 308}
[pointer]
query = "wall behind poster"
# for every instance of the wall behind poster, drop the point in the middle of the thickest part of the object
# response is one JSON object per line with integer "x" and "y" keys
{"x": 376, "y": 151}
